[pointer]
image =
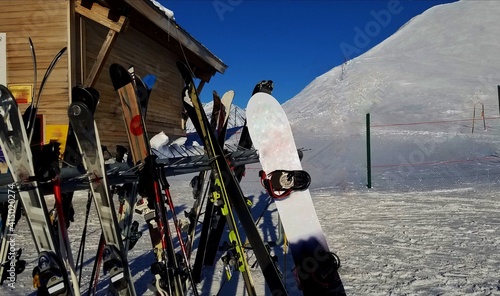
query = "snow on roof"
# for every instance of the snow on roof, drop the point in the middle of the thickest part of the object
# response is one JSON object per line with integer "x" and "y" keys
{"x": 168, "y": 13}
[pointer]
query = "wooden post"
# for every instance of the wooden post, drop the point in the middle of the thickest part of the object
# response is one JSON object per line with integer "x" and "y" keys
{"x": 368, "y": 152}
{"x": 101, "y": 58}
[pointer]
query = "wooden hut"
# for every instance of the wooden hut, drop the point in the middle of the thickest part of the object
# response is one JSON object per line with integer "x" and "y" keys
{"x": 98, "y": 33}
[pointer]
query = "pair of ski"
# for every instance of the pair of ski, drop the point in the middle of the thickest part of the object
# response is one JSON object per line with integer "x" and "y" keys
{"x": 213, "y": 221}
{"x": 170, "y": 269}
{"x": 50, "y": 275}
{"x": 80, "y": 114}
{"x": 110, "y": 244}
{"x": 55, "y": 256}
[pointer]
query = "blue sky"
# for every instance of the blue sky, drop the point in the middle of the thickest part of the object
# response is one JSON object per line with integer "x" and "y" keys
{"x": 289, "y": 42}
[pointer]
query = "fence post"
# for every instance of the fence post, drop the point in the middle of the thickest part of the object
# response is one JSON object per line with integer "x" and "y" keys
{"x": 498, "y": 98}
{"x": 368, "y": 152}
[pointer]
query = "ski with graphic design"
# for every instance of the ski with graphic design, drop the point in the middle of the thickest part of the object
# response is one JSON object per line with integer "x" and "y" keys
{"x": 114, "y": 255}
{"x": 316, "y": 267}
{"x": 228, "y": 194}
{"x": 169, "y": 270}
{"x": 50, "y": 274}
{"x": 198, "y": 184}
{"x": 127, "y": 193}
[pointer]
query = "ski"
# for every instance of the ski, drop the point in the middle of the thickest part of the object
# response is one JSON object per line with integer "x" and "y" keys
{"x": 50, "y": 275}
{"x": 222, "y": 122}
{"x": 114, "y": 258}
{"x": 228, "y": 194}
{"x": 127, "y": 193}
{"x": 213, "y": 221}
{"x": 168, "y": 271}
{"x": 217, "y": 221}
{"x": 316, "y": 267}
{"x": 29, "y": 119}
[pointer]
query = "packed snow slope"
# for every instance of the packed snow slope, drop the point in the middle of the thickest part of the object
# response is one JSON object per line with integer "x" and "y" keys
{"x": 435, "y": 68}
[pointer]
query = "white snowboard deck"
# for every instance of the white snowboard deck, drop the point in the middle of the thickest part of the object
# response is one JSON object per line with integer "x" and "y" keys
{"x": 272, "y": 137}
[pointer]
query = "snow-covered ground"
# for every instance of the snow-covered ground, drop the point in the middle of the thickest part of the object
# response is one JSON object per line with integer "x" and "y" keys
{"x": 438, "y": 242}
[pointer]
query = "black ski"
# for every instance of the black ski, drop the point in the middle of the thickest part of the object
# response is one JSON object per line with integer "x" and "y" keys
{"x": 231, "y": 195}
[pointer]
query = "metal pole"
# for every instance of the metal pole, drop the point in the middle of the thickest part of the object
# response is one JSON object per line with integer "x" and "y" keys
{"x": 473, "y": 118}
{"x": 498, "y": 98}
{"x": 368, "y": 152}
{"x": 482, "y": 115}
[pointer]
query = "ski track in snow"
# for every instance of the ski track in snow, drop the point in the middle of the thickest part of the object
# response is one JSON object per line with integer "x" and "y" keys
{"x": 417, "y": 243}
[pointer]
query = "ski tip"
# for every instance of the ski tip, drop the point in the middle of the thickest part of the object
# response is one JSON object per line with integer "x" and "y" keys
{"x": 149, "y": 80}
{"x": 119, "y": 76}
{"x": 5, "y": 92}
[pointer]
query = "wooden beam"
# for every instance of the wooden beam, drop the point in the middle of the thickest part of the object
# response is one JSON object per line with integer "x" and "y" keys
{"x": 99, "y": 14}
{"x": 101, "y": 58}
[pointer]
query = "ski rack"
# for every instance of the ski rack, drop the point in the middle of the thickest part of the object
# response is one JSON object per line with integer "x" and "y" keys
{"x": 75, "y": 178}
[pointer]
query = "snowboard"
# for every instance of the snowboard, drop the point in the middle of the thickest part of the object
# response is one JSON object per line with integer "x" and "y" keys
{"x": 315, "y": 266}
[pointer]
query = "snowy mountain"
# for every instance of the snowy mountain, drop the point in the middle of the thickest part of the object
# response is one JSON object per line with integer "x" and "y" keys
{"x": 436, "y": 68}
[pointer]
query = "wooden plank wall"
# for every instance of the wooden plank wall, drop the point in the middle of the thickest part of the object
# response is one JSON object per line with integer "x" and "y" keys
{"x": 148, "y": 57}
{"x": 45, "y": 21}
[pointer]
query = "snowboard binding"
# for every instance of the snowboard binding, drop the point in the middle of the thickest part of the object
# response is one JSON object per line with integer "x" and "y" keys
{"x": 285, "y": 182}
{"x": 265, "y": 86}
